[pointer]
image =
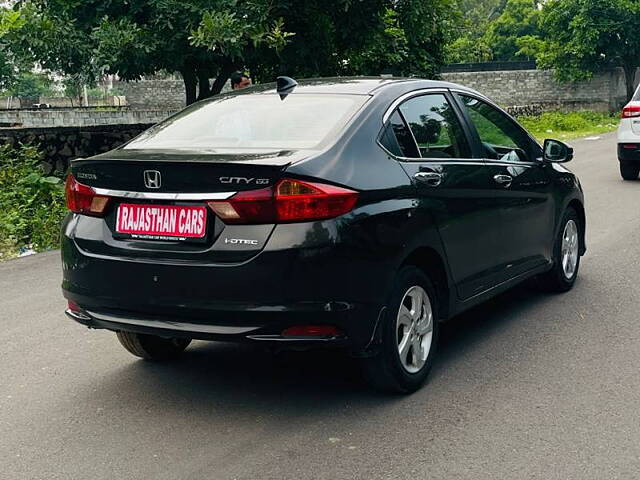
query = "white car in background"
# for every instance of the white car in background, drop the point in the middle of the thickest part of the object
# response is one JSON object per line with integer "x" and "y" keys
{"x": 629, "y": 139}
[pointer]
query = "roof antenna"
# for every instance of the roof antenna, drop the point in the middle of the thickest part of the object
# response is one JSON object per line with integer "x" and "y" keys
{"x": 285, "y": 85}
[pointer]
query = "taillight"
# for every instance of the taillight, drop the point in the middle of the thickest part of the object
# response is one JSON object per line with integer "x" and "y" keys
{"x": 288, "y": 201}
{"x": 83, "y": 199}
{"x": 631, "y": 111}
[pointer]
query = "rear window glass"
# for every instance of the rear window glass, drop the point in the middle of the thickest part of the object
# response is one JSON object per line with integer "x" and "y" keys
{"x": 255, "y": 121}
{"x": 636, "y": 96}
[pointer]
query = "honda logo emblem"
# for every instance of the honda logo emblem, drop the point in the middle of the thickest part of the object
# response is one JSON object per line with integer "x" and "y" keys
{"x": 152, "y": 179}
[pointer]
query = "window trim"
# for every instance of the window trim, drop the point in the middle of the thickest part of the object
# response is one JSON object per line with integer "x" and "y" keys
{"x": 456, "y": 93}
{"x": 453, "y": 103}
{"x": 402, "y": 98}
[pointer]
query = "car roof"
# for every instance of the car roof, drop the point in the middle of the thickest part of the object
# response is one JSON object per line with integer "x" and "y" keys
{"x": 357, "y": 85}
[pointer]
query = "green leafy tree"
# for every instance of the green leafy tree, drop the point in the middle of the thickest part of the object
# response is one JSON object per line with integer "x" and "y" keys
{"x": 498, "y": 33}
{"x": 206, "y": 40}
{"x": 201, "y": 39}
{"x": 429, "y": 25}
{"x": 469, "y": 48}
{"x": 74, "y": 87}
{"x": 479, "y": 11}
{"x": 520, "y": 18}
{"x": 31, "y": 85}
{"x": 10, "y": 21}
{"x": 327, "y": 34}
{"x": 408, "y": 38}
{"x": 587, "y": 36}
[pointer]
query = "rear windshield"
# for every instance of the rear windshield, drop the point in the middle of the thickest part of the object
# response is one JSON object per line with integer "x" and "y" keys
{"x": 636, "y": 96}
{"x": 258, "y": 121}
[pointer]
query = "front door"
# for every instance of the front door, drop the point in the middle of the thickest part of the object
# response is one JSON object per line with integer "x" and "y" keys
{"x": 521, "y": 187}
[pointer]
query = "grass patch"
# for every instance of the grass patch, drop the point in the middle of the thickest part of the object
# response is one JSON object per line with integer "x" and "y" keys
{"x": 32, "y": 204}
{"x": 566, "y": 126}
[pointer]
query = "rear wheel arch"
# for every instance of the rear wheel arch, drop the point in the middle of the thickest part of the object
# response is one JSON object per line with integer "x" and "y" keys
{"x": 432, "y": 264}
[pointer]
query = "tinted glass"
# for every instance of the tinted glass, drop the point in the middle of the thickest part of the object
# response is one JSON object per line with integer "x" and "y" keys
{"x": 501, "y": 138}
{"x": 390, "y": 142}
{"x": 253, "y": 122}
{"x": 435, "y": 127}
{"x": 403, "y": 136}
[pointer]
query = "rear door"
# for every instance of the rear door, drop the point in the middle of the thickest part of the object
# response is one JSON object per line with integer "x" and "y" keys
{"x": 521, "y": 187}
{"x": 431, "y": 143}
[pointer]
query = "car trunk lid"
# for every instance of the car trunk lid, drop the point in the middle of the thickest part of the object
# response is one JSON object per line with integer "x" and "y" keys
{"x": 171, "y": 182}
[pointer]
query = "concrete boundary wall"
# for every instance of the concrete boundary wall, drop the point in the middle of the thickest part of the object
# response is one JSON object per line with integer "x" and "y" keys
{"x": 511, "y": 88}
{"x": 154, "y": 93}
{"x": 81, "y": 117}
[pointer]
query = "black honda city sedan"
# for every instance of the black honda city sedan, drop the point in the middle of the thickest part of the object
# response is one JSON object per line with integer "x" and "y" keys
{"x": 352, "y": 212}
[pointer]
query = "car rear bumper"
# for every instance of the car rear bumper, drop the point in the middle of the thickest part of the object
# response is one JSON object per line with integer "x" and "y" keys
{"x": 629, "y": 152}
{"x": 356, "y": 324}
{"x": 250, "y": 301}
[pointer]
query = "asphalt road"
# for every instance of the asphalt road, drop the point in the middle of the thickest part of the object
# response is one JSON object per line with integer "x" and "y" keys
{"x": 529, "y": 385}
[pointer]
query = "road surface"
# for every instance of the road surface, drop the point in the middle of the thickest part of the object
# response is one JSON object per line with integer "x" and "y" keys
{"x": 528, "y": 386}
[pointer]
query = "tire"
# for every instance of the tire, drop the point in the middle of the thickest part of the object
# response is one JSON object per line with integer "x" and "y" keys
{"x": 386, "y": 370}
{"x": 629, "y": 170}
{"x": 152, "y": 347}
{"x": 560, "y": 278}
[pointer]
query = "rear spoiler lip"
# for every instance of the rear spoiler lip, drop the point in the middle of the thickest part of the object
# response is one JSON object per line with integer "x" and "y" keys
{"x": 277, "y": 159}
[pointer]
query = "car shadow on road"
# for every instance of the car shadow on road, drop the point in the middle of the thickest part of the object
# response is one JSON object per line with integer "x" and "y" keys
{"x": 243, "y": 378}
{"x": 477, "y": 325}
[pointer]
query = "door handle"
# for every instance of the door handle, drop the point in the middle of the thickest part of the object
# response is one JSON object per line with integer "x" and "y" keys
{"x": 432, "y": 179}
{"x": 503, "y": 179}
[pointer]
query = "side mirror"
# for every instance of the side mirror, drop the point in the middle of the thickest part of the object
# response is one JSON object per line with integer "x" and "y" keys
{"x": 556, "y": 151}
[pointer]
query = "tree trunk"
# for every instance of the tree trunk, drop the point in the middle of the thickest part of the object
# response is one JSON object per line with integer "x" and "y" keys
{"x": 190, "y": 84}
{"x": 222, "y": 78}
{"x": 629, "y": 78}
{"x": 204, "y": 87}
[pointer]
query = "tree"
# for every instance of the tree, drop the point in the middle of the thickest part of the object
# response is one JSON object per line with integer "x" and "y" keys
{"x": 498, "y": 36}
{"x": 207, "y": 40}
{"x": 74, "y": 88}
{"x": 587, "y": 36}
{"x": 9, "y": 64}
{"x": 469, "y": 48}
{"x": 520, "y": 18}
{"x": 201, "y": 39}
{"x": 30, "y": 85}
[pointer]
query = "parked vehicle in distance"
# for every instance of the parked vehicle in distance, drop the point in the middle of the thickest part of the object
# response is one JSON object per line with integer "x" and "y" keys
{"x": 629, "y": 139}
{"x": 352, "y": 212}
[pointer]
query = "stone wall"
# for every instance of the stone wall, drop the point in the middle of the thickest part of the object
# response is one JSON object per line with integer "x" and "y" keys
{"x": 66, "y": 102}
{"x": 81, "y": 117}
{"x": 509, "y": 88}
{"x": 154, "y": 93}
{"x": 604, "y": 92}
{"x": 62, "y": 144}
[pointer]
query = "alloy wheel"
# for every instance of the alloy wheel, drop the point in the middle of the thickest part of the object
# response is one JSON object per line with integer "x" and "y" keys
{"x": 414, "y": 329}
{"x": 569, "y": 250}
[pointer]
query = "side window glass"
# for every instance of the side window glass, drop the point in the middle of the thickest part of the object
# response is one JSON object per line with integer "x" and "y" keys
{"x": 501, "y": 138}
{"x": 390, "y": 142}
{"x": 396, "y": 132}
{"x": 436, "y": 127}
